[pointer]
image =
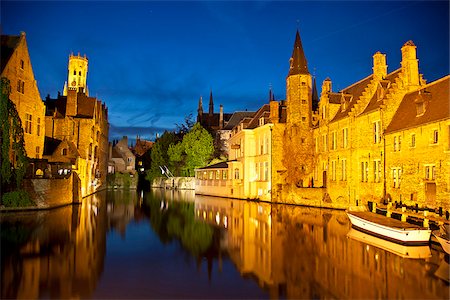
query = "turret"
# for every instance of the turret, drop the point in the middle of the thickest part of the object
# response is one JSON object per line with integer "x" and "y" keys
{"x": 379, "y": 66}
{"x": 211, "y": 104}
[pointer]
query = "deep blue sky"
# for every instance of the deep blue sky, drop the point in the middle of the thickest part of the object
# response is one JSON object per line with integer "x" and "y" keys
{"x": 151, "y": 61}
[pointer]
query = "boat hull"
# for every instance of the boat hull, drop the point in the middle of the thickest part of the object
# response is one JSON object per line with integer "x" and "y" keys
{"x": 445, "y": 244}
{"x": 395, "y": 232}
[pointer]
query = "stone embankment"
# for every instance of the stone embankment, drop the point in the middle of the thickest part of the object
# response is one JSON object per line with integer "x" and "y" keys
{"x": 176, "y": 183}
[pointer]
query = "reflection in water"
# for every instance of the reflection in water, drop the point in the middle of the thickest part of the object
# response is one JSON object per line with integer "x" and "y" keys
{"x": 56, "y": 253}
{"x": 288, "y": 251}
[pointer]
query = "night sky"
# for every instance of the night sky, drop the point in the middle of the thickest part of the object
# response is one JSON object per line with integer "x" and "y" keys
{"x": 151, "y": 61}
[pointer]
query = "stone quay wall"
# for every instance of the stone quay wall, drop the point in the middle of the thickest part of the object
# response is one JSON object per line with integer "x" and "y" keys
{"x": 177, "y": 183}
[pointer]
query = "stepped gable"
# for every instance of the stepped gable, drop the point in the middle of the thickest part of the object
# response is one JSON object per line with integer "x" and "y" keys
{"x": 438, "y": 108}
{"x": 263, "y": 112}
{"x": 356, "y": 91}
{"x": 375, "y": 102}
{"x": 8, "y": 44}
{"x": 236, "y": 118}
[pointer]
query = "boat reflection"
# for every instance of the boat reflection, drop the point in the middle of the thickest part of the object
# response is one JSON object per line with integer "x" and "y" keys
{"x": 398, "y": 249}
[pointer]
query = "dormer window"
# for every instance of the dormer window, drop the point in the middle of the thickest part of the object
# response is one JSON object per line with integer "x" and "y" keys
{"x": 64, "y": 151}
{"x": 420, "y": 108}
{"x": 261, "y": 121}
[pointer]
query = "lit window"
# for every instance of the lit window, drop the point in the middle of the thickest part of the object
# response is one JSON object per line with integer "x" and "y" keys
{"x": 217, "y": 174}
{"x": 344, "y": 169}
{"x": 376, "y": 132}
{"x": 435, "y": 136}
{"x": 376, "y": 170}
{"x": 28, "y": 121}
{"x": 37, "y": 151}
{"x": 413, "y": 140}
{"x": 224, "y": 174}
{"x": 236, "y": 173}
{"x": 344, "y": 138}
{"x": 396, "y": 177}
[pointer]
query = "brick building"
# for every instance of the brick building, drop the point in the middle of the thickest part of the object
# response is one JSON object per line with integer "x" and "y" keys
{"x": 385, "y": 136}
{"x": 16, "y": 66}
{"x": 83, "y": 121}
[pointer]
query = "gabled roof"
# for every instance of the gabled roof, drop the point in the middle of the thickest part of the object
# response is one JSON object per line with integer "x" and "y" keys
{"x": 263, "y": 112}
{"x": 8, "y": 45}
{"x": 375, "y": 103}
{"x": 355, "y": 90}
{"x": 50, "y": 145}
{"x": 298, "y": 59}
{"x": 437, "y": 108}
{"x": 236, "y": 118}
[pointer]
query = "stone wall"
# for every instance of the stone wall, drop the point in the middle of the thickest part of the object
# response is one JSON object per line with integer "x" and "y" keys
{"x": 48, "y": 193}
{"x": 180, "y": 183}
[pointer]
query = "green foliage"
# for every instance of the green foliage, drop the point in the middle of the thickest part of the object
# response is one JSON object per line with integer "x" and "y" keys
{"x": 11, "y": 139}
{"x": 19, "y": 198}
{"x": 198, "y": 148}
{"x": 122, "y": 180}
{"x": 159, "y": 154}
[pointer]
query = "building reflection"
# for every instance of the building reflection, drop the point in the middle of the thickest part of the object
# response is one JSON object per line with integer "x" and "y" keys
{"x": 299, "y": 252}
{"x": 57, "y": 253}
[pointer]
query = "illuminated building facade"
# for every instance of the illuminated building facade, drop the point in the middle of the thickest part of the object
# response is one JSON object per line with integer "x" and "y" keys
{"x": 82, "y": 120}
{"x": 385, "y": 136}
{"x": 16, "y": 66}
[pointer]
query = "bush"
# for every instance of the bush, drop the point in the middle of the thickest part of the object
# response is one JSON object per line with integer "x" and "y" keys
{"x": 18, "y": 198}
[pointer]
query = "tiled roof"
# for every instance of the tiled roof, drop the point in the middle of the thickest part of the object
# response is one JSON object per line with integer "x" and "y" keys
{"x": 142, "y": 146}
{"x": 437, "y": 108}
{"x": 356, "y": 91}
{"x": 263, "y": 112}
{"x": 221, "y": 165}
{"x": 50, "y": 145}
{"x": 236, "y": 118}
{"x": 298, "y": 59}
{"x": 374, "y": 103}
{"x": 85, "y": 105}
{"x": 8, "y": 45}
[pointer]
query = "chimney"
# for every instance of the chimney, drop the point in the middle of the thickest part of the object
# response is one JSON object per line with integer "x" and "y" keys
{"x": 326, "y": 86}
{"x": 71, "y": 104}
{"x": 274, "y": 112}
{"x": 410, "y": 64}
{"x": 379, "y": 66}
{"x": 221, "y": 117}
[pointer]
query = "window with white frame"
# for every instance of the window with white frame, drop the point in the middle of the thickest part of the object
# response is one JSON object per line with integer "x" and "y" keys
{"x": 377, "y": 170}
{"x": 364, "y": 171}
{"x": 397, "y": 143}
{"x": 333, "y": 140}
{"x": 430, "y": 172}
{"x": 345, "y": 138}
{"x": 376, "y": 132}
{"x": 396, "y": 177}
{"x": 236, "y": 173}
{"x": 344, "y": 169}
{"x": 324, "y": 142}
{"x": 266, "y": 171}
{"x": 333, "y": 170}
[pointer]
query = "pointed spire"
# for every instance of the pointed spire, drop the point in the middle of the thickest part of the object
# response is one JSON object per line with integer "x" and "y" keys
{"x": 315, "y": 96}
{"x": 211, "y": 103}
{"x": 200, "y": 105}
{"x": 270, "y": 93}
{"x": 298, "y": 64}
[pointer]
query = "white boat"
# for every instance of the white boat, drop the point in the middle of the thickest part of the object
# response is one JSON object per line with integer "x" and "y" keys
{"x": 442, "y": 237}
{"x": 404, "y": 251}
{"x": 388, "y": 228}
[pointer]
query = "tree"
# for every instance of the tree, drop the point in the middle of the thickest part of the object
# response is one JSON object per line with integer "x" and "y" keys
{"x": 13, "y": 159}
{"x": 159, "y": 154}
{"x": 185, "y": 127}
{"x": 194, "y": 151}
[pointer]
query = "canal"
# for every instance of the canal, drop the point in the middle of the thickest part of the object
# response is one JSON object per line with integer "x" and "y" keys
{"x": 172, "y": 244}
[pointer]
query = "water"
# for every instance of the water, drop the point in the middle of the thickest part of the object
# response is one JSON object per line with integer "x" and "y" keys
{"x": 166, "y": 244}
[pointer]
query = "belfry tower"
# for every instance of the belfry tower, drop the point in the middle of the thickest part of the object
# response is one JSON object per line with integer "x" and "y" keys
{"x": 298, "y": 137}
{"x": 77, "y": 74}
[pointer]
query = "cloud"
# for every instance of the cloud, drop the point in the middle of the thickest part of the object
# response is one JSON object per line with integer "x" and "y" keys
{"x": 148, "y": 133}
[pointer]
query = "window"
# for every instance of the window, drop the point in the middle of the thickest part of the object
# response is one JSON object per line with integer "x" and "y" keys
{"x": 38, "y": 126}
{"x": 435, "y": 136}
{"x": 22, "y": 64}
{"x": 396, "y": 177}
{"x": 90, "y": 151}
{"x": 28, "y": 121}
{"x": 397, "y": 143}
{"x": 211, "y": 175}
{"x": 236, "y": 173}
{"x": 325, "y": 146}
{"x": 316, "y": 144}
{"x": 376, "y": 132}
{"x": 413, "y": 140}
{"x": 37, "y": 151}
{"x": 64, "y": 152}
{"x": 420, "y": 107}
{"x": 324, "y": 112}
{"x": 333, "y": 140}
{"x": 98, "y": 136}
{"x": 74, "y": 72}
{"x": 21, "y": 86}
{"x": 224, "y": 174}
{"x": 430, "y": 172}
{"x": 344, "y": 170}
{"x": 376, "y": 170}
{"x": 364, "y": 171}
{"x": 261, "y": 121}
{"x": 79, "y": 73}
{"x": 303, "y": 119}
{"x": 344, "y": 138}
{"x": 333, "y": 170}
{"x": 266, "y": 171}
{"x": 217, "y": 174}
